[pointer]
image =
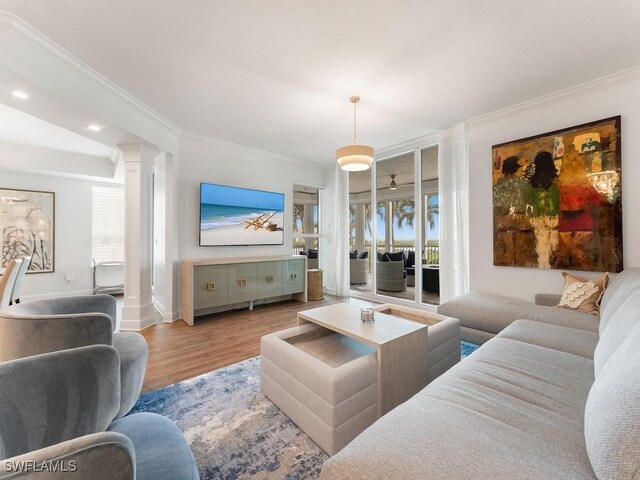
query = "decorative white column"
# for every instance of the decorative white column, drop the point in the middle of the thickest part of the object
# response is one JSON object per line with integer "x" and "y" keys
{"x": 138, "y": 310}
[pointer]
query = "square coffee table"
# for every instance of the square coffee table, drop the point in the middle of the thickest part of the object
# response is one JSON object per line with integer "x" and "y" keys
{"x": 401, "y": 347}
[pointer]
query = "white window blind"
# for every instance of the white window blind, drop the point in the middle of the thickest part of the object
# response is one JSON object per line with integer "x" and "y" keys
{"x": 108, "y": 224}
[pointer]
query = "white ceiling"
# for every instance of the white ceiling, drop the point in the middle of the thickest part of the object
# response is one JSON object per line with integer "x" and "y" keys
{"x": 17, "y": 127}
{"x": 277, "y": 75}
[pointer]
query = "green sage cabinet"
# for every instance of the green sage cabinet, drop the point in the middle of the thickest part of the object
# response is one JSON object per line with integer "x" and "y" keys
{"x": 211, "y": 285}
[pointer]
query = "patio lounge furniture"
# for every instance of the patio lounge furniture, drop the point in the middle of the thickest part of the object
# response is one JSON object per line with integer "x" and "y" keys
{"x": 312, "y": 258}
{"x": 391, "y": 276}
{"x": 431, "y": 279}
{"x": 358, "y": 271}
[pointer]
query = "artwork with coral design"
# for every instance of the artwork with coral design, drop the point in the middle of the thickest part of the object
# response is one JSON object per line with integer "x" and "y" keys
{"x": 26, "y": 226}
{"x": 557, "y": 199}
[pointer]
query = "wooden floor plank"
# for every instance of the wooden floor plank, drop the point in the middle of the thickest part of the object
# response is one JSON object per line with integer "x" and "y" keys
{"x": 178, "y": 351}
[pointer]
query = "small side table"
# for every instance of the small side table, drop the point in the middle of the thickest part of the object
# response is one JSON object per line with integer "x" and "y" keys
{"x": 314, "y": 284}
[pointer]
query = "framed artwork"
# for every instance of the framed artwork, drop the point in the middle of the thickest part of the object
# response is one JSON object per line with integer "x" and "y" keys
{"x": 27, "y": 228}
{"x": 557, "y": 199}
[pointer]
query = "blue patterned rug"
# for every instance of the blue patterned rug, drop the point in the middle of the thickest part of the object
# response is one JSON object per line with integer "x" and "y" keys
{"x": 234, "y": 431}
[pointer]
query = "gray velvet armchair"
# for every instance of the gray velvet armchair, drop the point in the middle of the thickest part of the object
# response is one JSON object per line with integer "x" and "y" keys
{"x": 57, "y": 411}
{"x": 44, "y": 326}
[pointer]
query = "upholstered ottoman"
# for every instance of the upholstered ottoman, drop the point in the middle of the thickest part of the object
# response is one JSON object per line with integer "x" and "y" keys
{"x": 323, "y": 381}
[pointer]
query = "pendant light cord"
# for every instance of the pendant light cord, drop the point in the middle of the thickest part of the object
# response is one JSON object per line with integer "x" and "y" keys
{"x": 354, "y": 123}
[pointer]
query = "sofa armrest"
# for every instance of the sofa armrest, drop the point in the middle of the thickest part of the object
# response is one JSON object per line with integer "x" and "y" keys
{"x": 547, "y": 299}
{"x": 99, "y": 456}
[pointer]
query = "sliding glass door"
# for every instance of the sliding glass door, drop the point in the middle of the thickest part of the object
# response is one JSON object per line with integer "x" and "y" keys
{"x": 430, "y": 212}
{"x": 394, "y": 246}
{"x": 395, "y": 256}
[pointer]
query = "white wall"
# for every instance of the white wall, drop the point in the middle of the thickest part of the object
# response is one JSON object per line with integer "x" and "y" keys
{"x": 583, "y": 104}
{"x": 73, "y": 202}
{"x": 212, "y": 162}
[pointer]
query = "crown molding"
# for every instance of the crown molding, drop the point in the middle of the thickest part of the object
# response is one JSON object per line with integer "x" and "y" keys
{"x": 574, "y": 91}
{"x": 244, "y": 148}
{"x": 21, "y": 29}
{"x": 408, "y": 146}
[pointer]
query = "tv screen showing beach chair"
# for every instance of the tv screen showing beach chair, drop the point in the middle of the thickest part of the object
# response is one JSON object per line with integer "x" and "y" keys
{"x": 240, "y": 216}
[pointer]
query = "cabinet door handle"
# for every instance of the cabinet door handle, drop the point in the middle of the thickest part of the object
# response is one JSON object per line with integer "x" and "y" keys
{"x": 211, "y": 286}
{"x": 269, "y": 279}
{"x": 242, "y": 282}
{"x": 293, "y": 276}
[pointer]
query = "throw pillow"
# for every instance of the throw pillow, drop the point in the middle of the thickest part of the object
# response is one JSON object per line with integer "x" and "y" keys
{"x": 363, "y": 255}
{"x": 396, "y": 257}
{"x": 353, "y": 255}
{"x": 411, "y": 259}
{"x": 581, "y": 294}
{"x": 383, "y": 257}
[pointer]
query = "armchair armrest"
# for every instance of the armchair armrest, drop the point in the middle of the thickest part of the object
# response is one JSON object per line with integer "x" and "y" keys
{"x": 99, "y": 456}
{"x": 547, "y": 299}
{"x": 104, "y": 304}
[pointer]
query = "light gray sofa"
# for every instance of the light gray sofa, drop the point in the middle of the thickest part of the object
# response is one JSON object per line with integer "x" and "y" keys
{"x": 483, "y": 315}
{"x": 57, "y": 411}
{"x": 43, "y": 326}
{"x": 538, "y": 401}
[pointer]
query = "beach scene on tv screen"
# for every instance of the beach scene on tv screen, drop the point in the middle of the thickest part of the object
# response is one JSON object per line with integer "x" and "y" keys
{"x": 239, "y": 216}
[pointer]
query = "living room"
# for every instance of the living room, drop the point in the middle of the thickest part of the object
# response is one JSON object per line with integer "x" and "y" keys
{"x": 162, "y": 104}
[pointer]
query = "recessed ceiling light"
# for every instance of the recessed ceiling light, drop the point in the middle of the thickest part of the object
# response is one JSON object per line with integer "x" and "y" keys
{"x": 20, "y": 94}
{"x": 94, "y": 128}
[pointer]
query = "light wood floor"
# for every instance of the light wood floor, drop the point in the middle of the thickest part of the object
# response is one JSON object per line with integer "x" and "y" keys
{"x": 178, "y": 351}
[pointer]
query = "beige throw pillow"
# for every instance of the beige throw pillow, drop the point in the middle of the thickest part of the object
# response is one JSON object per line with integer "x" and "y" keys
{"x": 581, "y": 294}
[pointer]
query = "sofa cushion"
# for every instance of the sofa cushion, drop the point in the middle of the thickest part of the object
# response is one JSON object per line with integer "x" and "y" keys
{"x": 620, "y": 287}
{"x": 511, "y": 410}
{"x": 564, "y": 339}
{"x": 612, "y": 414}
{"x": 363, "y": 255}
{"x": 353, "y": 255}
{"x": 581, "y": 294}
{"x": 411, "y": 259}
{"x": 396, "y": 257}
{"x": 391, "y": 257}
{"x": 492, "y": 313}
{"x": 623, "y": 320}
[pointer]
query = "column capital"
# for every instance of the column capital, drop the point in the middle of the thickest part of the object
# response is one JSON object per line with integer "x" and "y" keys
{"x": 138, "y": 152}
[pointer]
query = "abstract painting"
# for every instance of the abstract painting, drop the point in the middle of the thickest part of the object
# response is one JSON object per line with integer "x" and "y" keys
{"x": 557, "y": 199}
{"x": 27, "y": 228}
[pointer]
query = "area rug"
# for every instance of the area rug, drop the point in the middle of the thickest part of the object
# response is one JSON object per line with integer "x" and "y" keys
{"x": 234, "y": 431}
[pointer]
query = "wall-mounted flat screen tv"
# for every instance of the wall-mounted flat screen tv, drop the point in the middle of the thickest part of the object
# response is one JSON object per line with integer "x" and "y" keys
{"x": 240, "y": 216}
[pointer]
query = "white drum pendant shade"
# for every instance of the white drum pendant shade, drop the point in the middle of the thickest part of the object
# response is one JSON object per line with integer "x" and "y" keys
{"x": 355, "y": 158}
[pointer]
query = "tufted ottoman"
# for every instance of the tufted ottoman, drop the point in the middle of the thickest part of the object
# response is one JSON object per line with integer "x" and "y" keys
{"x": 323, "y": 381}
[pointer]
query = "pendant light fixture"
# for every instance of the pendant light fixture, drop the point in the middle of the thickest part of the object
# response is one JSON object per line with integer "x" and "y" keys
{"x": 355, "y": 158}
{"x": 393, "y": 185}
